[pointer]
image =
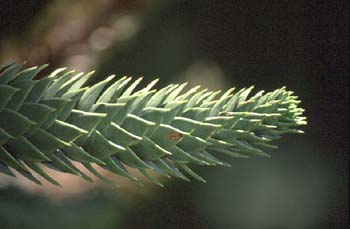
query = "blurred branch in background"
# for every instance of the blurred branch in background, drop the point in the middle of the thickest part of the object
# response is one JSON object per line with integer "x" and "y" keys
{"x": 70, "y": 33}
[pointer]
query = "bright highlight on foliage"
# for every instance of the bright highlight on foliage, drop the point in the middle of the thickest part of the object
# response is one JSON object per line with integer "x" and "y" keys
{"x": 56, "y": 120}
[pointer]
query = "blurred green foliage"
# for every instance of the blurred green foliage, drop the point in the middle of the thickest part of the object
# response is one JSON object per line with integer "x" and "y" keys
{"x": 19, "y": 209}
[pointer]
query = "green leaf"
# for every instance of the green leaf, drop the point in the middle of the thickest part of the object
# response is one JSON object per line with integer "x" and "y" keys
{"x": 90, "y": 96}
{"x": 25, "y": 150}
{"x": 14, "y": 123}
{"x": 6, "y": 93}
{"x": 8, "y": 159}
{"x": 42, "y": 173}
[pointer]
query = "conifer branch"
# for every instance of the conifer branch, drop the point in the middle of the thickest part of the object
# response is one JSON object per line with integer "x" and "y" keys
{"x": 56, "y": 120}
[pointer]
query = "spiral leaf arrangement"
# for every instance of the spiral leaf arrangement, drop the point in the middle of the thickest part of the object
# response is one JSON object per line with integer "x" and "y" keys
{"x": 55, "y": 120}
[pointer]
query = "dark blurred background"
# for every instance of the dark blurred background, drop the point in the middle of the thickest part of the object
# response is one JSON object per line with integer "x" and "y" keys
{"x": 218, "y": 44}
